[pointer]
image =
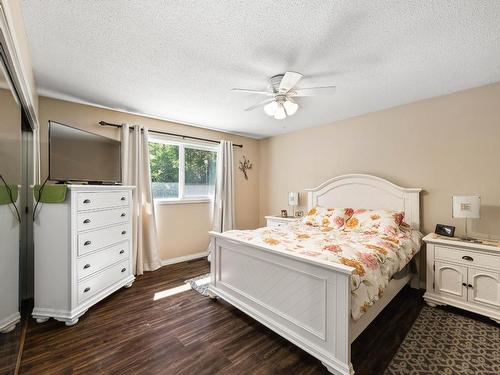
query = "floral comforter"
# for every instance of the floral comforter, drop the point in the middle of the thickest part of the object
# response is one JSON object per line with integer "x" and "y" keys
{"x": 376, "y": 257}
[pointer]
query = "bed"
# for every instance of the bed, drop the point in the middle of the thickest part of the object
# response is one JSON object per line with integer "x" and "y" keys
{"x": 305, "y": 299}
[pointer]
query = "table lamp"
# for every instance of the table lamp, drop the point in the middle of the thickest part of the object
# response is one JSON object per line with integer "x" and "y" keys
{"x": 293, "y": 201}
{"x": 467, "y": 207}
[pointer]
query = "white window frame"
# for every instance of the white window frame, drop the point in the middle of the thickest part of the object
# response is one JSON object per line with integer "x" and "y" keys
{"x": 183, "y": 144}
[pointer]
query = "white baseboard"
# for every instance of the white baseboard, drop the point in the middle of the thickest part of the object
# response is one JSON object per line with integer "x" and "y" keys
{"x": 9, "y": 323}
{"x": 185, "y": 258}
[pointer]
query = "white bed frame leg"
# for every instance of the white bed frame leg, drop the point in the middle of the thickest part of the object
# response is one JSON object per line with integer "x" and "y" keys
{"x": 333, "y": 371}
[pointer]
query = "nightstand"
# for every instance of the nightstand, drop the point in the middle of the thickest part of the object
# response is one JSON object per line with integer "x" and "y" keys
{"x": 276, "y": 221}
{"x": 464, "y": 274}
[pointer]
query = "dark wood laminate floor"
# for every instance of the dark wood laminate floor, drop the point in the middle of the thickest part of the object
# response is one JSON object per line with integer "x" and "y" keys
{"x": 130, "y": 333}
{"x": 9, "y": 346}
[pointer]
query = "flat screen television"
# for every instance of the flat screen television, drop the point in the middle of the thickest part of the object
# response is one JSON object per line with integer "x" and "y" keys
{"x": 80, "y": 156}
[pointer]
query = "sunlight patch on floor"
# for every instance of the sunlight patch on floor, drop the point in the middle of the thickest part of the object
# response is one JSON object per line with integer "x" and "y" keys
{"x": 171, "y": 292}
{"x": 179, "y": 289}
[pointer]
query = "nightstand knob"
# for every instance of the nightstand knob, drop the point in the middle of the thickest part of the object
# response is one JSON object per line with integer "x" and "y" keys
{"x": 468, "y": 258}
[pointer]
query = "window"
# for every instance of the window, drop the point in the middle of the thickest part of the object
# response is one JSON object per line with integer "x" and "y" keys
{"x": 182, "y": 171}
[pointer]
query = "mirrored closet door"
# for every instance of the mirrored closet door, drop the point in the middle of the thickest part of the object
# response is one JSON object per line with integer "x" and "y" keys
{"x": 14, "y": 236}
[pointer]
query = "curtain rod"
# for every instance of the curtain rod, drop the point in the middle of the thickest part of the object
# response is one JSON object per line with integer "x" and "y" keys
{"x": 104, "y": 123}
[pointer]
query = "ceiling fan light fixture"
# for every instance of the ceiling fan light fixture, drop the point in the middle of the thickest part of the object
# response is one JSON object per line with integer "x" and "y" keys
{"x": 290, "y": 107}
{"x": 270, "y": 108}
{"x": 281, "y": 91}
{"x": 280, "y": 113}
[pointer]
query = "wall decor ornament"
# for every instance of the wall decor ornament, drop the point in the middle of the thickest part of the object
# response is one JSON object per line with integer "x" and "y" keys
{"x": 245, "y": 165}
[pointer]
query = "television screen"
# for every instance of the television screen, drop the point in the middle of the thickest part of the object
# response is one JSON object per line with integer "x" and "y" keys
{"x": 77, "y": 155}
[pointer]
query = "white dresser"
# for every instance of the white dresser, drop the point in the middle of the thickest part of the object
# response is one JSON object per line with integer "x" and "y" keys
{"x": 463, "y": 274}
{"x": 9, "y": 268}
{"x": 82, "y": 250}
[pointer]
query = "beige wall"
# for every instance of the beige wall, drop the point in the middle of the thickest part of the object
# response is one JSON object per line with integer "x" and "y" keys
{"x": 176, "y": 237}
{"x": 446, "y": 145}
{"x": 10, "y": 138}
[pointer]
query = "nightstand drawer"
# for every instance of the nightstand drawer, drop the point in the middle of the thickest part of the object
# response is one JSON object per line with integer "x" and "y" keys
{"x": 273, "y": 223}
{"x": 278, "y": 221}
{"x": 467, "y": 257}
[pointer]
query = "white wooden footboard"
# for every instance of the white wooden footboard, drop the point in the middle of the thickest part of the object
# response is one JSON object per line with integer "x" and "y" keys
{"x": 304, "y": 301}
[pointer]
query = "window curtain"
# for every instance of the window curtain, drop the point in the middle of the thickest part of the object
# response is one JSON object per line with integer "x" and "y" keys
{"x": 223, "y": 215}
{"x": 136, "y": 172}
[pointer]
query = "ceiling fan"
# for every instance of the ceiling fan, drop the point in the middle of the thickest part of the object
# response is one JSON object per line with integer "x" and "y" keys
{"x": 282, "y": 93}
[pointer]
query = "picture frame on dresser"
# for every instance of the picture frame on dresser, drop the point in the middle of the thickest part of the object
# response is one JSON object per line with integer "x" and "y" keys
{"x": 83, "y": 251}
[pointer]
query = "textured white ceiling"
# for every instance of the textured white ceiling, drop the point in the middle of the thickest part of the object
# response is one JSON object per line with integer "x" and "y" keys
{"x": 178, "y": 59}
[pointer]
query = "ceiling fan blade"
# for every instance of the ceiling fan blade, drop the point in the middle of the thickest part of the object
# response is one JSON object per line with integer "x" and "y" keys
{"x": 253, "y": 91}
{"x": 260, "y": 104}
{"x": 311, "y": 91}
{"x": 289, "y": 80}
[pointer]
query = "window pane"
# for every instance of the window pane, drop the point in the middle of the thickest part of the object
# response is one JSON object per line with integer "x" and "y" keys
{"x": 164, "y": 162}
{"x": 199, "y": 172}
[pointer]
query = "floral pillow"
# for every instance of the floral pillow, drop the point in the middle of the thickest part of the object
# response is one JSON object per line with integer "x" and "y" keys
{"x": 375, "y": 221}
{"x": 320, "y": 216}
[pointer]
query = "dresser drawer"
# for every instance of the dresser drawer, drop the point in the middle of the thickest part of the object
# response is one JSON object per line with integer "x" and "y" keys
{"x": 95, "y": 262}
{"x": 92, "y": 201}
{"x": 96, "y": 219}
{"x": 93, "y": 285}
{"x": 467, "y": 257}
{"x": 97, "y": 239}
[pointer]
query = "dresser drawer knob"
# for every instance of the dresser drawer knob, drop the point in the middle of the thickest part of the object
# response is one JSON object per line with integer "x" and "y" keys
{"x": 122, "y": 198}
{"x": 87, "y": 289}
{"x": 86, "y": 243}
{"x": 122, "y": 251}
{"x": 123, "y": 214}
{"x": 86, "y": 201}
{"x": 123, "y": 270}
{"x": 86, "y": 221}
{"x": 124, "y": 232}
{"x": 86, "y": 266}
{"x": 467, "y": 258}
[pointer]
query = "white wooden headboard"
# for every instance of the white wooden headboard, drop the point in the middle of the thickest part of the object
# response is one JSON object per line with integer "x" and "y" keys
{"x": 365, "y": 191}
